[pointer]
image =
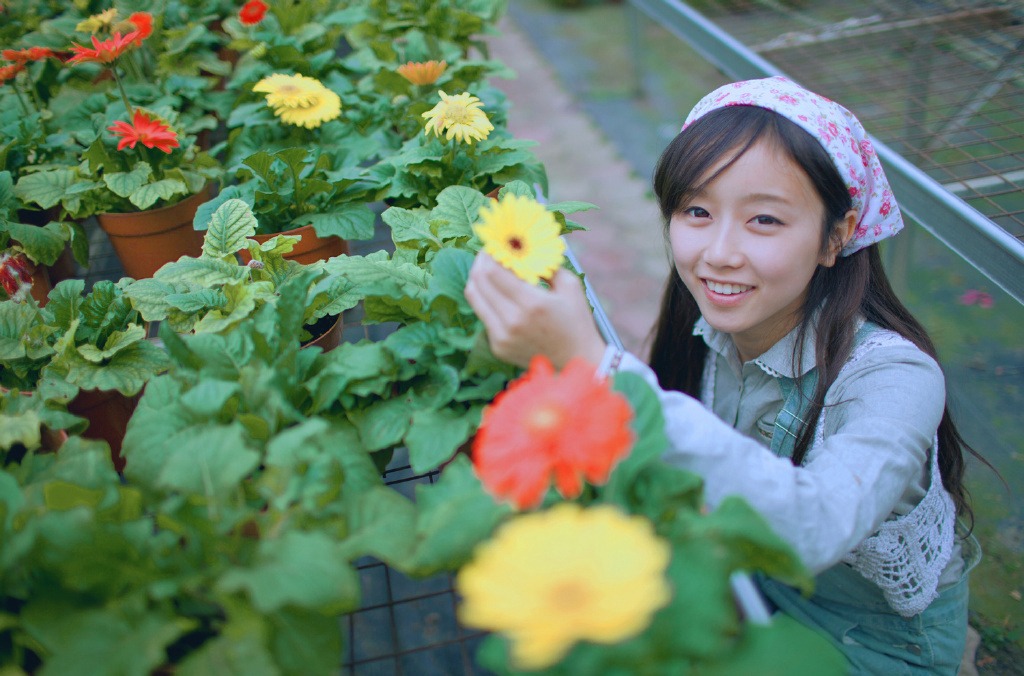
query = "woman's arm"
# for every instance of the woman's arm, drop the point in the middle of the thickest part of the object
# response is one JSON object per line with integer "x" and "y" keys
{"x": 882, "y": 415}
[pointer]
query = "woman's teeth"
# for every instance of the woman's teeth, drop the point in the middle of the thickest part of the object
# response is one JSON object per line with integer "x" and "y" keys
{"x": 727, "y": 289}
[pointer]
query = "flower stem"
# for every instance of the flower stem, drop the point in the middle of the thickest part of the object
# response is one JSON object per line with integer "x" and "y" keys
{"x": 21, "y": 99}
{"x": 124, "y": 96}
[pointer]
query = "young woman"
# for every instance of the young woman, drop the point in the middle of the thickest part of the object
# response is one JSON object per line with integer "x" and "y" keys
{"x": 788, "y": 371}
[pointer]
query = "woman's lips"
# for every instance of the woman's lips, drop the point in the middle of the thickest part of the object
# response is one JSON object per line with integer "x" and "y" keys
{"x": 725, "y": 299}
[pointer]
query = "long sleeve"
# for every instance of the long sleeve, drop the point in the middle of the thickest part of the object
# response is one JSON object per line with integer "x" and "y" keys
{"x": 880, "y": 420}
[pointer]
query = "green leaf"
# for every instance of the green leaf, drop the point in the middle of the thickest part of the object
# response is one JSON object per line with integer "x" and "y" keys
{"x": 455, "y": 515}
{"x": 751, "y": 543}
{"x": 42, "y": 244}
{"x": 348, "y": 221}
{"x": 649, "y": 430}
{"x": 109, "y": 643}
{"x": 382, "y": 423}
{"x": 117, "y": 341}
{"x": 783, "y": 648}
{"x": 301, "y": 569}
{"x": 149, "y": 297}
{"x": 459, "y": 208}
{"x": 570, "y": 207}
{"x": 305, "y": 643}
{"x": 149, "y": 194}
{"x": 45, "y": 188}
{"x": 245, "y": 192}
{"x": 382, "y": 523}
{"x": 196, "y": 301}
{"x": 379, "y": 276}
{"x": 65, "y": 301}
{"x": 208, "y": 397}
{"x": 208, "y": 461}
{"x": 230, "y": 227}
{"x": 127, "y": 371}
{"x": 260, "y": 163}
{"x": 451, "y": 272}
{"x": 124, "y": 184}
{"x": 203, "y": 272}
{"x": 20, "y": 429}
{"x": 410, "y": 226}
{"x": 491, "y": 163}
{"x": 434, "y": 437}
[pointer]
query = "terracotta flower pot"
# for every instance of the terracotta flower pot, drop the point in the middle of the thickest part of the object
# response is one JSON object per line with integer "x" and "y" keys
{"x": 145, "y": 240}
{"x": 108, "y": 412}
{"x": 40, "y": 283}
{"x": 309, "y": 249}
{"x": 327, "y": 336}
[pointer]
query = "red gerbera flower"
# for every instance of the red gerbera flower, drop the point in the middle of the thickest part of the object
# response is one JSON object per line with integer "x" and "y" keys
{"x": 567, "y": 427}
{"x": 252, "y": 12}
{"x": 15, "y": 277}
{"x": 105, "y": 51}
{"x": 143, "y": 22}
{"x": 8, "y": 72}
{"x": 26, "y": 55}
{"x": 149, "y": 131}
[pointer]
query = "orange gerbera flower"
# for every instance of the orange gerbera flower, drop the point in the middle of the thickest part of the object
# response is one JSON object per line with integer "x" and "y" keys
{"x": 105, "y": 51}
{"x": 567, "y": 426}
{"x": 8, "y": 72}
{"x": 26, "y": 55}
{"x": 149, "y": 131}
{"x": 422, "y": 73}
{"x": 252, "y": 12}
{"x": 141, "y": 22}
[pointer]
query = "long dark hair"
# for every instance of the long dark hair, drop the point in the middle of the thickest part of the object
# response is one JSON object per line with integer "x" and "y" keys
{"x": 855, "y": 285}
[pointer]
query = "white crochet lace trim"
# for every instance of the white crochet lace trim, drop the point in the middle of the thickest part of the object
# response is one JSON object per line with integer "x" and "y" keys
{"x": 907, "y": 555}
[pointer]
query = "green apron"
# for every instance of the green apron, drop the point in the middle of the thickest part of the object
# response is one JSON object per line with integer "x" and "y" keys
{"x": 850, "y": 610}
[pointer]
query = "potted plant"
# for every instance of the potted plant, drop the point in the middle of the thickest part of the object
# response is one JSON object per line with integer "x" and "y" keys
{"x": 95, "y": 344}
{"x": 214, "y": 292}
{"x": 319, "y": 201}
{"x": 460, "y": 145}
{"x": 144, "y": 192}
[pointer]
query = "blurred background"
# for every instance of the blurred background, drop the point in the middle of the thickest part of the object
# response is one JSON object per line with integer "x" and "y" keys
{"x": 604, "y": 86}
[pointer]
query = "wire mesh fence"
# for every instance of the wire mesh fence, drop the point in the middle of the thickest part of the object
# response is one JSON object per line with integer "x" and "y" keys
{"x": 942, "y": 83}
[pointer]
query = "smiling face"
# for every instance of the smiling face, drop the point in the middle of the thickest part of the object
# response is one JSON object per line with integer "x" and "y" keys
{"x": 747, "y": 245}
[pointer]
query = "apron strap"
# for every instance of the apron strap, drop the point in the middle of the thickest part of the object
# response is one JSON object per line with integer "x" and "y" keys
{"x": 796, "y": 398}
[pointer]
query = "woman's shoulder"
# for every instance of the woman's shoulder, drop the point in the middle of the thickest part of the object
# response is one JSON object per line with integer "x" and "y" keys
{"x": 882, "y": 358}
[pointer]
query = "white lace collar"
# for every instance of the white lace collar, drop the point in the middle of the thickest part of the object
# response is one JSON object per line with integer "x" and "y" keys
{"x": 777, "y": 361}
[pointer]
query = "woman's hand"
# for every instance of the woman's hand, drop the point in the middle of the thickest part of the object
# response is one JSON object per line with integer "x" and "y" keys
{"x": 523, "y": 320}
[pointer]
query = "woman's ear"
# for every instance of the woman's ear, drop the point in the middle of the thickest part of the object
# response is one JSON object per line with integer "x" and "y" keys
{"x": 841, "y": 234}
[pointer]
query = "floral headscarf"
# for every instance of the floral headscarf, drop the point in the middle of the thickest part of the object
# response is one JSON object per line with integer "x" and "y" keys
{"x": 839, "y": 132}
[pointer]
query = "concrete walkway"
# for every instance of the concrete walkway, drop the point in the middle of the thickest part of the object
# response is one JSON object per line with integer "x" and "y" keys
{"x": 623, "y": 254}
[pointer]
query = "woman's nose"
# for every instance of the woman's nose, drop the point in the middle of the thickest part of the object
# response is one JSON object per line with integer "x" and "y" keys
{"x": 724, "y": 248}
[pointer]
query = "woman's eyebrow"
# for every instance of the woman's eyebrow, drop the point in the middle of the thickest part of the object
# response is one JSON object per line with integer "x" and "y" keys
{"x": 764, "y": 197}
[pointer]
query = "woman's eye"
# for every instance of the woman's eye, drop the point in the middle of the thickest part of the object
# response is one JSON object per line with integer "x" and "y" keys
{"x": 696, "y": 211}
{"x": 766, "y": 220}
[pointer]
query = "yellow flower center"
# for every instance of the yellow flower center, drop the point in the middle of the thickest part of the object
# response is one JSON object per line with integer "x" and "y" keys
{"x": 569, "y": 596}
{"x": 457, "y": 114}
{"x": 515, "y": 243}
{"x": 545, "y": 418}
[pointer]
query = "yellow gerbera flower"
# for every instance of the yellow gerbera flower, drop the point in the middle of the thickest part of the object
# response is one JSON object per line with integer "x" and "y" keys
{"x": 549, "y": 579}
{"x": 523, "y": 236}
{"x": 461, "y": 116}
{"x": 299, "y": 100}
{"x": 97, "y": 22}
{"x": 422, "y": 73}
